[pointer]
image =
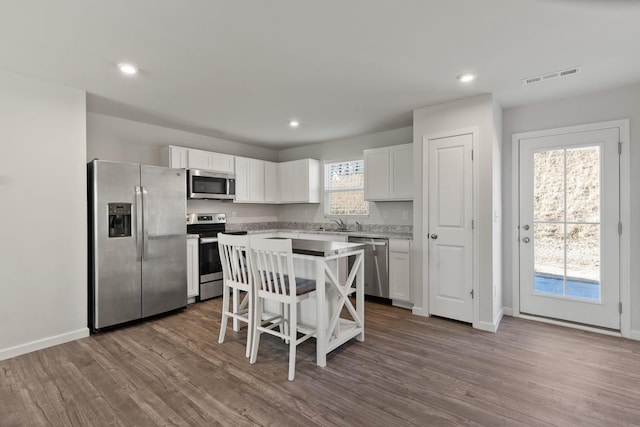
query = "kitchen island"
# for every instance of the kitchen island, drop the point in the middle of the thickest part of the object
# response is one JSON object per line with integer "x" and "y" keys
{"x": 333, "y": 294}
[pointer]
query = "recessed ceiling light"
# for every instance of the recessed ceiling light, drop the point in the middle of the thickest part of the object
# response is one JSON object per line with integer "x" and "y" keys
{"x": 294, "y": 123}
{"x": 128, "y": 69}
{"x": 467, "y": 77}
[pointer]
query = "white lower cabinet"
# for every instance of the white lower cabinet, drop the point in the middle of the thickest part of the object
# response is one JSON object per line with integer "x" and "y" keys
{"x": 193, "y": 275}
{"x": 400, "y": 271}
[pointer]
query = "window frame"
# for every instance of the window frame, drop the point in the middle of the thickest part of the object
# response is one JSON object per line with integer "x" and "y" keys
{"x": 326, "y": 192}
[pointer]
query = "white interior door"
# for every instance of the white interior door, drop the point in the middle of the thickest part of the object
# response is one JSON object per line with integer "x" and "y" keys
{"x": 450, "y": 231}
{"x": 569, "y": 238}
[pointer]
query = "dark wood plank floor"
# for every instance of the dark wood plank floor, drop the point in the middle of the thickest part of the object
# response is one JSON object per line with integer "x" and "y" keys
{"x": 409, "y": 371}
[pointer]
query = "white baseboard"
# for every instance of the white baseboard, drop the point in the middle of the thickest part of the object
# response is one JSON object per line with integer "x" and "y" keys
{"x": 402, "y": 304}
{"x": 635, "y": 335}
{"x": 485, "y": 326}
{"x": 508, "y": 311}
{"x": 418, "y": 311}
{"x": 498, "y": 318}
{"x": 21, "y": 349}
{"x": 490, "y": 326}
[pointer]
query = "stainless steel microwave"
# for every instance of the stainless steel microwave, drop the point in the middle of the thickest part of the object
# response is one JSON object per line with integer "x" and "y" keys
{"x": 203, "y": 184}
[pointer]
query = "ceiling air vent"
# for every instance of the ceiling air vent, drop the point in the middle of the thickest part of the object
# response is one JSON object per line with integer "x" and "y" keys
{"x": 549, "y": 76}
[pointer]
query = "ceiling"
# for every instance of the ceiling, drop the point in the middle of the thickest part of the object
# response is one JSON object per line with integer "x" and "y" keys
{"x": 241, "y": 69}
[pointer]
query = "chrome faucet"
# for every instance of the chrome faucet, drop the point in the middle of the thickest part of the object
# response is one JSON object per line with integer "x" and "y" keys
{"x": 358, "y": 226}
{"x": 342, "y": 225}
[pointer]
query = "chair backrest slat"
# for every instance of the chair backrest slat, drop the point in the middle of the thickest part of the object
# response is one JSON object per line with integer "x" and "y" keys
{"x": 273, "y": 263}
{"x": 234, "y": 255}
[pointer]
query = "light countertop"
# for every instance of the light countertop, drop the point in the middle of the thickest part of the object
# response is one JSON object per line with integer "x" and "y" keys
{"x": 353, "y": 233}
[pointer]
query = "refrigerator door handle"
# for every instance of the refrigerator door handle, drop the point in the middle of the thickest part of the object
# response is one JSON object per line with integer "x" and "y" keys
{"x": 145, "y": 216}
{"x": 139, "y": 224}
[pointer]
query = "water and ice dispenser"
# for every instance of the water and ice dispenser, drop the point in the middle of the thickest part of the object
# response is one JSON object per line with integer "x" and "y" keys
{"x": 119, "y": 219}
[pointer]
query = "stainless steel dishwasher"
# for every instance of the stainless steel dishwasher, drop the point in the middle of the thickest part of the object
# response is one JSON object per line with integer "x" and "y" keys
{"x": 376, "y": 266}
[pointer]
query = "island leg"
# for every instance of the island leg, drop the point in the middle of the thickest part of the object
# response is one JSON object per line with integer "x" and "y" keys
{"x": 321, "y": 307}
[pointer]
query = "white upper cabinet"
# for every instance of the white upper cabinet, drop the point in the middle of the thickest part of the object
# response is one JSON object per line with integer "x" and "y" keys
{"x": 271, "y": 186}
{"x": 388, "y": 173}
{"x": 190, "y": 158}
{"x": 376, "y": 174}
{"x": 175, "y": 157}
{"x": 250, "y": 180}
{"x": 222, "y": 163}
{"x": 199, "y": 159}
{"x": 242, "y": 180}
{"x": 299, "y": 181}
{"x": 401, "y": 172}
{"x": 208, "y": 160}
{"x": 257, "y": 181}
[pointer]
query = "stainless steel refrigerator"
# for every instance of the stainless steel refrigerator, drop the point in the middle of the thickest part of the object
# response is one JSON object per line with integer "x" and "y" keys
{"x": 137, "y": 242}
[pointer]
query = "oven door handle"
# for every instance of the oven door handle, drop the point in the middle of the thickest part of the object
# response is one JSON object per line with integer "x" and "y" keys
{"x": 209, "y": 240}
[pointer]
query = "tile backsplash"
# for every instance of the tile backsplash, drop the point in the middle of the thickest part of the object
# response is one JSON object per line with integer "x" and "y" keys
{"x": 328, "y": 226}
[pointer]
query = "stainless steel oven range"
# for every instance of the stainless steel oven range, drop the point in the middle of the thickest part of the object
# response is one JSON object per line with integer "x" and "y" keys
{"x": 207, "y": 226}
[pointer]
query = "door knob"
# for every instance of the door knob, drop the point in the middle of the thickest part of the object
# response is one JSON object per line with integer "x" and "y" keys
{"x": 434, "y": 236}
{"x": 526, "y": 239}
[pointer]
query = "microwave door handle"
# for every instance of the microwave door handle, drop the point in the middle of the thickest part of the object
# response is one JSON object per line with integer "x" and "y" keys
{"x": 145, "y": 220}
{"x": 228, "y": 185}
{"x": 139, "y": 224}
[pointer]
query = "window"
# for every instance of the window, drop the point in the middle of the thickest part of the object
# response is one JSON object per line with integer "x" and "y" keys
{"x": 344, "y": 188}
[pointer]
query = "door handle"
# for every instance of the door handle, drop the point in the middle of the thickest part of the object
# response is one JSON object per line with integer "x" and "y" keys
{"x": 139, "y": 225}
{"x": 434, "y": 236}
{"x": 145, "y": 219}
{"x": 526, "y": 239}
{"x": 525, "y": 227}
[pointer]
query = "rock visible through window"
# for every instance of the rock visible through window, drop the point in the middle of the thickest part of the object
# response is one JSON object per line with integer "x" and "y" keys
{"x": 344, "y": 188}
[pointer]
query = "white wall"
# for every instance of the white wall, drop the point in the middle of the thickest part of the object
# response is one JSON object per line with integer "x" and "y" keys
{"x": 113, "y": 138}
{"x": 345, "y": 149}
{"x": 497, "y": 213}
{"x": 614, "y": 104}
{"x": 43, "y": 220}
{"x": 452, "y": 116}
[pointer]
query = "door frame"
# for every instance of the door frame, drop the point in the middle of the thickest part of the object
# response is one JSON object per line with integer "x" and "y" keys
{"x": 625, "y": 218}
{"x": 475, "y": 133}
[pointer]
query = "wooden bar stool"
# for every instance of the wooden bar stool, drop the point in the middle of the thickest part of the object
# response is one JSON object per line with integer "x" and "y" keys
{"x": 237, "y": 279}
{"x": 275, "y": 280}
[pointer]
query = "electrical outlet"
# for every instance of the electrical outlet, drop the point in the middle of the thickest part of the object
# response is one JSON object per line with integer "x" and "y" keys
{"x": 405, "y": 215}
{"x": 385, "y": 214}
{"x": 234, "y": 214}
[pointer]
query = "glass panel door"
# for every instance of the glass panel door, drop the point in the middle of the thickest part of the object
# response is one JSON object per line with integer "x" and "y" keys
{"x": 567, "y": 222}
{"x": 568, "y": 227}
